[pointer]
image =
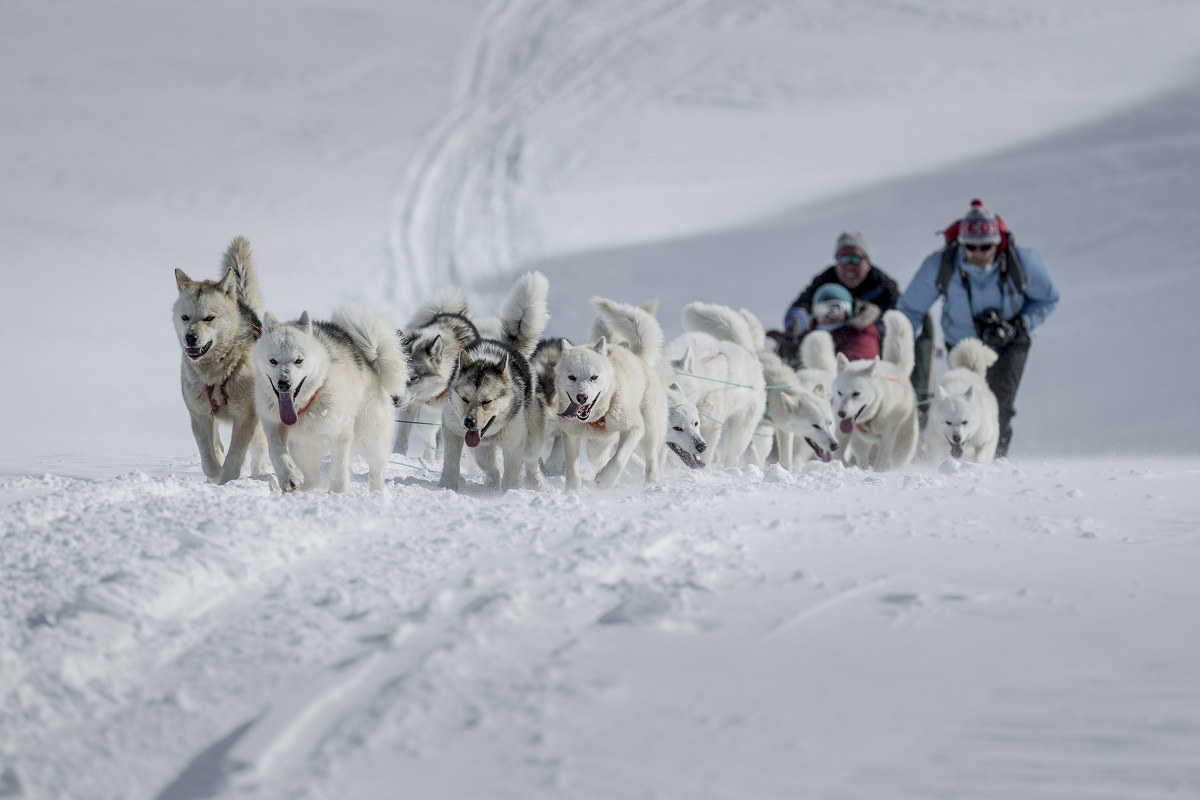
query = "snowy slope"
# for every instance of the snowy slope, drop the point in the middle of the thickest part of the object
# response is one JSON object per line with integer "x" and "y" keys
{"x": 1023, "y": 630}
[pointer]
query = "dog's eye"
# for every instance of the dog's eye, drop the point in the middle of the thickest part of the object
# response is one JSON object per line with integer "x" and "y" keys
{"x": 571, "y": 377}
{"x": 856, "y": 394}
{"x": 273, "y": 362}
{"x": 485, "y": 403}
{"x": 299, "y": 361}
{"x": 209, "y": 318}
{"x": 186, "y": 318}
{"x": 949, "y": 423}
{"x": 677, "y": 428}
{"x": 815, "y": 425}
{"x": 593, "y": 377}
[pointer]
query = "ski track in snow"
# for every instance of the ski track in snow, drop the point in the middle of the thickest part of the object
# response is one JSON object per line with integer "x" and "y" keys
{"x": 266, "y": 645}
{"x": 458, "y": 209}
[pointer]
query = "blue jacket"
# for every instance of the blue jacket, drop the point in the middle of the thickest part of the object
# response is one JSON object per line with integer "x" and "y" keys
{"x": 959, "y": 310}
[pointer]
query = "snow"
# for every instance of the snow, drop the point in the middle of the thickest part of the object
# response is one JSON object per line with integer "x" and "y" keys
{"x": 1020, "y": 630}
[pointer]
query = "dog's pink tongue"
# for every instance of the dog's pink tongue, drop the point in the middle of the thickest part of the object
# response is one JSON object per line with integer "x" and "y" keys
{"x": 846, "y": 425}
{"x": 826, "y": 456}
{"x": 956, "y": 450}
{"x": 572, "y": 410}
{"x": 472, "y": 438}
{"x": 287, "y": 408}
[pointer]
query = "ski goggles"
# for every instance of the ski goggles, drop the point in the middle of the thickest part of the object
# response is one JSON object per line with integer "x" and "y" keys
{"x": 831, "y": 311}
{"x": 850, "y": 259}
{"x": 978, "y": 248}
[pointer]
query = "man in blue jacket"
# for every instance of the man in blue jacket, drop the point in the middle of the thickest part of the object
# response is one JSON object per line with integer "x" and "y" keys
{"x": 994, "y": 290}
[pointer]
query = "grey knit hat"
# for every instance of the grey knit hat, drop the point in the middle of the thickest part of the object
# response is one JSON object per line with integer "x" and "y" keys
{"x": 979, "y": 225}
{"x": 852, "y": 240}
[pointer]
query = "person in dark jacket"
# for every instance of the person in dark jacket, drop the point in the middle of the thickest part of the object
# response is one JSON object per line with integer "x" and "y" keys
{"x": 874, "y": 291}
{"x": 995, "y": 290}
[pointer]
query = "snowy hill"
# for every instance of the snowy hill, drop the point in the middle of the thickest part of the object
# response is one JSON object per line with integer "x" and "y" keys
{"x": 1022, "y": 630}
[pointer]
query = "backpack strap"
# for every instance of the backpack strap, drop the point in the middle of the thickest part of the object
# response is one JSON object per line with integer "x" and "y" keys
{"x": 1016, "y": 272}
{"x": 947, "y": 267}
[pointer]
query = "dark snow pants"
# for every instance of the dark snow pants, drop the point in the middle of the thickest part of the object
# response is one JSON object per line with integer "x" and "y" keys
{"x": 1004, "y": 378}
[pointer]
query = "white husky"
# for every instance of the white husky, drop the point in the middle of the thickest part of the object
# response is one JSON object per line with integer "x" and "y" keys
{"x": 609, "y": 388}
{"x": 327, "y": 387}
{"x": 963, "y": 420}
{"x": 716, "y": 366}
{"x": 875, "y": 403}
{"x": 799, "y": 417}
{"x": 217, "y": 324}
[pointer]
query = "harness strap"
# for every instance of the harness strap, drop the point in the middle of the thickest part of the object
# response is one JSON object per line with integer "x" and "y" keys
{"x": 600, "y": 424}
{"x": 212, "y": 401}
{"x": 310, "y": 402}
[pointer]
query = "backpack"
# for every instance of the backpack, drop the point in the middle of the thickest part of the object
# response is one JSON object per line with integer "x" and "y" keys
{"x": 1010, "y": 265}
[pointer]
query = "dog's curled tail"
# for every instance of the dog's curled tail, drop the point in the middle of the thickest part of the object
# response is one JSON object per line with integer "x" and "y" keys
{"x": 721, "y": 322}
{"x": 974, "y": 355}
{"x": 635, "y": 325}
{"x": 816, "y": 352}
{"x": 448, "y": 300}
{"x": 898, "y": 341}
{"x": 758, "y": 334}
{"x": 523, "y": 316}
{"x": 379, "y": 345}
{"x": 240, "y": 261}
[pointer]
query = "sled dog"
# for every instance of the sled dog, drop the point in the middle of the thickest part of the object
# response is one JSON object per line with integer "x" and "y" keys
{"x": 492, "y": 406}
{"x": 613, "y": 389}
{"x": 435, "y": 336}
{"x": 683, "y": 428}
{"x": 327, "y": 387}
{"x": 964, "y": 422}
{"x": 798, "y": 415}
{"x": 716, "y": 366}
{"x": 545, "y": 357}
{"x": 217, "y": 324}
{"x": 874, "y": 401}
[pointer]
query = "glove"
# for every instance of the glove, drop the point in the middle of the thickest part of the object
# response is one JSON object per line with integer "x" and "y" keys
{"x": 797, "y": 320}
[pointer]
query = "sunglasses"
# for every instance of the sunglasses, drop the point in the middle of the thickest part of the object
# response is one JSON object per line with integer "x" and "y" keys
{"x": 978, "y": 248}
{"x": 850, "y": 259}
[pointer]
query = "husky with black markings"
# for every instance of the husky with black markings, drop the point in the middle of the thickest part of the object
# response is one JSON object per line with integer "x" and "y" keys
{"x": 327, "y": 387}
{"x": 491, "y": 406}
{"x": 613, "y": 389}
{"x": 432, "y": 340}
{"x": 217, "y": 324}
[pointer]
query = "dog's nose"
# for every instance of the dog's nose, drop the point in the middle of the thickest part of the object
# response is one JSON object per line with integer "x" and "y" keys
{"x": 581, "y": 398}
{"x": 833, "y": 446}
{"x": 469, "y": 423}
{"x": 841, "y": 413}
{"x": 190, "y": 339}
{"x": 956, "y": 439}
{"x": 284, "y": 384}
{"x": 701, "y": 447}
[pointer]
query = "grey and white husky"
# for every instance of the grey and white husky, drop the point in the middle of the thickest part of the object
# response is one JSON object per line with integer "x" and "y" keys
{"x": 327, "y": 387}
{"x": 217, "y": 323}
{"x": 491, "y": 405}
{"x": 433, "y": 338}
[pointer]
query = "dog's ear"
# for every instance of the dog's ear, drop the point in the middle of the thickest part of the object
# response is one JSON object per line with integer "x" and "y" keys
{"x": 228, "y": 284}
{"x": 601, "y": 346}
{"x": 687, "y": 361}
{"x": 871, "y": 370}
{"x": 819, "y": 390}
{"x": 464, "y": 360}
{"x": 789, "y": 402}
{"x": 182, "y": 281}
{"x": 674, "y": 387}
{"x": 566, "y": 345}
{"x": 939, "y": 392}
{"x": 306, "y": 323}
{"x": 436, "y": 347}
{"x": 405, "y": 341}
{"x": 504, "y": 376}
{"x": 969, "y": 393}
{"x": 842, "y": 361}
{"x": 269, "y": 322}
{"x": 651, "y": 308}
